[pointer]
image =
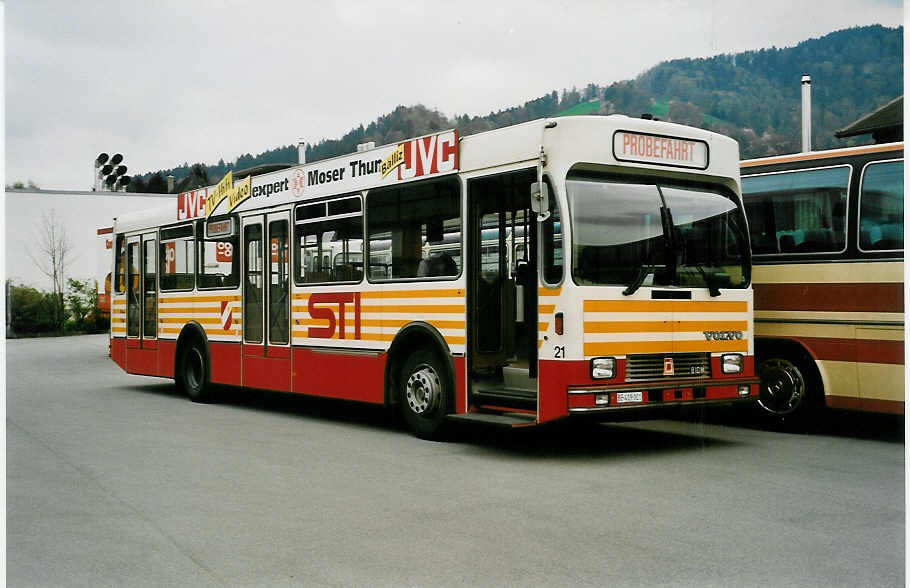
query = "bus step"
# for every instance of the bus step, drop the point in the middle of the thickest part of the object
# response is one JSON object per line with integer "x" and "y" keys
{"x": 505, "y": 398}
{"x": 518, "y": 379}
{"x": 508, "y": 419}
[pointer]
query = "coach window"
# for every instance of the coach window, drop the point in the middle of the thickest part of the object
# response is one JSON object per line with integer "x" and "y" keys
{"x": 797, "y": 212}
{"x": 415, "y": 230}
{"x": 328, "y": 238}
{"x": 120, "y": 270}
{"x": 219, "y": 259}
{"x": 881, "y": 207}
{"x": 177, "y": 258}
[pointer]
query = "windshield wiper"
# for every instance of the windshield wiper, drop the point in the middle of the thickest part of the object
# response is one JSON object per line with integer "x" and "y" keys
{"x": 713, "y": 290}
{"x": 640, "y": 276}
{"x": 639, "y": 279}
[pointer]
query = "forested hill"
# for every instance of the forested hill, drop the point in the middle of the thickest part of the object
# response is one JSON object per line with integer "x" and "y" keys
{"x": 752, "y": 96}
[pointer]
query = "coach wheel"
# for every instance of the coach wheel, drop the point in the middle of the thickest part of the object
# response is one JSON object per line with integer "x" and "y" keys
{"x": 192, "y": 372}
{"x": 784, "y": 389}
{"x": 424, "y": 394}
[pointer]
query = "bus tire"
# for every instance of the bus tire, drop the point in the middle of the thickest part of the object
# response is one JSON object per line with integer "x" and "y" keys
{"x": 788, "y": 390}
{"x": 193, "y": 372}
{"x": 424, "y": 394}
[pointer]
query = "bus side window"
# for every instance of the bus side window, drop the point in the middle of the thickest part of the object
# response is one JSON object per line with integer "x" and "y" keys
{"x": 219, "y": 261}
{"x": 328, "y": 238}
{"x": 881, "y": 207}
{"x": 800, "y": 211}
{"x": 176, "y": 258}
{"x": 413, "y": 230}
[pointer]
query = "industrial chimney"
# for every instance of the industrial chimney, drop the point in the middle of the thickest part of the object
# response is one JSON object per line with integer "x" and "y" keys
{"x": 807, "y": 113}
{"x": 301, "y": 152}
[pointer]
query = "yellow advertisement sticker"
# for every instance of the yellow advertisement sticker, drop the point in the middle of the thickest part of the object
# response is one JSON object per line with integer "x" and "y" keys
{"x": 219, "y": 193}
{"x": 391, "y": 162}
{"x": 241, "y": 192}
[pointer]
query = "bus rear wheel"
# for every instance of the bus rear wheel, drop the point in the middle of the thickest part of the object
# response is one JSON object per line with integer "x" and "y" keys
{"x": 424, "y": 394}
{"x": 192, "y": 372}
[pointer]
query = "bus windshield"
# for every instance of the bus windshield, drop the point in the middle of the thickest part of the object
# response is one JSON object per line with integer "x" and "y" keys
{"x": 635, "y": 234}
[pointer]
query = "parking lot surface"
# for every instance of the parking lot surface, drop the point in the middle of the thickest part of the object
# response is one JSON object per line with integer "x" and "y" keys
{"x": 117, "y": 480}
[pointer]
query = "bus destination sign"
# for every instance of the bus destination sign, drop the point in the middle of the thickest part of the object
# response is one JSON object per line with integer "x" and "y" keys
{"x": 660, "y": 150}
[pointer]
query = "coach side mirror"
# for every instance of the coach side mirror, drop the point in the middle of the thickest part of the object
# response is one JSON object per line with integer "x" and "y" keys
{"x": 540, "y": 200}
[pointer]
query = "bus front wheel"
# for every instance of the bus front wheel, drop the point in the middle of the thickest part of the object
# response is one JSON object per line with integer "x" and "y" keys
{"x": 786, "y": 388}
{"x": 424, "y": 394}
{"x": 192, "y": 372}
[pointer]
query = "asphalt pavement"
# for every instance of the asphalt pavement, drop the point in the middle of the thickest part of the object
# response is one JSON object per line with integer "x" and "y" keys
{"x": 117, "y": 480}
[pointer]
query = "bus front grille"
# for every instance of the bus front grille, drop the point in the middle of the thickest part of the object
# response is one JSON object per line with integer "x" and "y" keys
{"x": 655, "y": 366}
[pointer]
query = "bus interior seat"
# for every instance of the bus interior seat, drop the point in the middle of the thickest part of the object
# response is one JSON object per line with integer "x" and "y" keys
{"x": 765, "y": 243}
{"x": 892, "y": 237}
{"x": 787, "y": 244}
{"x": 816, "y": 240}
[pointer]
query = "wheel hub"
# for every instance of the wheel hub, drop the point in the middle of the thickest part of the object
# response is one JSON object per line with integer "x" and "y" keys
{"x": 782, "y": 388}
{"x": 423, "y": 389}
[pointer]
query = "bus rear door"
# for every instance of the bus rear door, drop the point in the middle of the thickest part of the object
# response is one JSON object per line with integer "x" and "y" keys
{"x": 142, "y": 305}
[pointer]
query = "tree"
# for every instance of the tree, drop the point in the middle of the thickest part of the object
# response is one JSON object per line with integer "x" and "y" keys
{"x": 82, "y": 304}
{"x": 137, "y": 185}
{"x": 53, "y": 254}
{"x": 156, "y": 184}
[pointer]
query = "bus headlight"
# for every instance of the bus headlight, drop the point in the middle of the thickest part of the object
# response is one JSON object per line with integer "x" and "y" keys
{"x": 603, "y": 368}
{"x": 731, "y": 363}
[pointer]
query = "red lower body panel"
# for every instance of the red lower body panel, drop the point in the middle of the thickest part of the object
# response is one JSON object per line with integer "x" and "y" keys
{"x": 266, "y": 368}
{"x": 335, "y": 374}
{"x": 226, "y": 363}
{"x": 118, "y": 351}
{"x": 461, "y": 386}
{"x": 167, "y": 353}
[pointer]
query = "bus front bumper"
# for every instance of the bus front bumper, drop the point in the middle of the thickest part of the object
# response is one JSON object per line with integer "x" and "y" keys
{"x": 656, "y": 395}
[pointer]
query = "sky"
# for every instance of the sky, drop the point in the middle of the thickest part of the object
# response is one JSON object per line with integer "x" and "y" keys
{"x": 169, "y": 82}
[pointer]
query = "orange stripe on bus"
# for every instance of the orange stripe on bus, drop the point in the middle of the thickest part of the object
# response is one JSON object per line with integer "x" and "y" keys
{"x": 457, "y": 293}
{"x": 659, "y": 326}
{"x": 627, "y": 347}
{"x": 664, "y": 306}
{"x": 415, "y": 309}
{"x": 302, "y": 334}
{"x": 199, "y": 298}
{"x": 545, "y": 308}
{"x": 549, "y": 291}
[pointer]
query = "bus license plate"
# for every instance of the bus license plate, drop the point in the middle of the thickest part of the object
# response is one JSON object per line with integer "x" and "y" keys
{"x": 623, "y": 397}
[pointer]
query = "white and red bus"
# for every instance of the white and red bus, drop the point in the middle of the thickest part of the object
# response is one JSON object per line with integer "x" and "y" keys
{"x": 827, "y": 232}
{"x": 594, "y": 266}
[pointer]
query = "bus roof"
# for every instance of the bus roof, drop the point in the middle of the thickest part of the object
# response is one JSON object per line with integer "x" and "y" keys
{"x": 827, "y": 154}
{"x": 568, "y": 140}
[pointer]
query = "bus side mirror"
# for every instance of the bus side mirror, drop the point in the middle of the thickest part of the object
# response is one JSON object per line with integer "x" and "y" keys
{"x": 540, "y": 200}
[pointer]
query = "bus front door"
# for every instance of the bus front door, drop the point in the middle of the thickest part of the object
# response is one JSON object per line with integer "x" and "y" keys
{"x": 502, "y": 292}
{"x": 266, "y": 302}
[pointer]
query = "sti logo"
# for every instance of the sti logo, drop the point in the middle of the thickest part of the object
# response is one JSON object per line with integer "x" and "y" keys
{"x": 334, "y": 319}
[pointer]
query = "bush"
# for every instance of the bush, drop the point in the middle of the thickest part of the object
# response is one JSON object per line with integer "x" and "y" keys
{"x": 31, "y": 311}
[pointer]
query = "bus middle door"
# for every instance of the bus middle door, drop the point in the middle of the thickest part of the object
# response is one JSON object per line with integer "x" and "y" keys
{"x": 266, "y": 302}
